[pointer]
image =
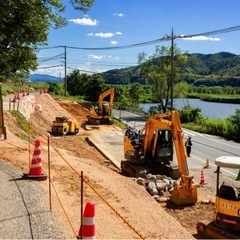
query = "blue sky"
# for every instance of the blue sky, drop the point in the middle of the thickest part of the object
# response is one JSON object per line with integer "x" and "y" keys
{"x": 114, "y": 23}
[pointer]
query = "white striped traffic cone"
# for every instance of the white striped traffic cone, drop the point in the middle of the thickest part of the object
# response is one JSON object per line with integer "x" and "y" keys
{"x": 35, "y": 171}
{"x": 87, "y": 229}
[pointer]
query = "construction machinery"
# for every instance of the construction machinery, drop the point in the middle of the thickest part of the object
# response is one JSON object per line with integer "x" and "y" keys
{"x": 226, "y": 215}
{"x": 101, "y": 114}
{"x": 64, "y": 126}
{"x": 151, "y": 149}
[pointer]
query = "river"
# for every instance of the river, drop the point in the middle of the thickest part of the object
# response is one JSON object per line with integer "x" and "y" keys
{"x": 209, "y": 109}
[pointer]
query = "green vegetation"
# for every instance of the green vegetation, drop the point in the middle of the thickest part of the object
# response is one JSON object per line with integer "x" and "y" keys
{"x": 159, "y": 71}
{"x": 24, "y": 26}
{"x": 24, "y": 125}
{"x": 200, "y": 70}
{"x": 192, "y": 118}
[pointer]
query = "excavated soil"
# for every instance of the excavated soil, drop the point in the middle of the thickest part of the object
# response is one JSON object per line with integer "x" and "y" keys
{"x": 124, "y": 210}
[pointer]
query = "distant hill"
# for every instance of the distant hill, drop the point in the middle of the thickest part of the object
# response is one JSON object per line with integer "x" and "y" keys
{"x": 44, "y": 78}
{"x": 220, "y": 64}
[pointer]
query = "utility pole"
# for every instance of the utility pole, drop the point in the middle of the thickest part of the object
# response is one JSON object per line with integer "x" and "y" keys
{"x": 65, "y": 71}
{"x": 171, "y": 77}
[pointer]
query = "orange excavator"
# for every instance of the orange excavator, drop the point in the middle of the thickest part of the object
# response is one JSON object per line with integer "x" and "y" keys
{"x": 101, "y": 114}
{"x": 151, "y": 149}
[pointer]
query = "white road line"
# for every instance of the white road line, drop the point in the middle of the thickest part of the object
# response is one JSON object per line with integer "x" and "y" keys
{"x": 209, "y": 137}
{"x": 213, "y": 165}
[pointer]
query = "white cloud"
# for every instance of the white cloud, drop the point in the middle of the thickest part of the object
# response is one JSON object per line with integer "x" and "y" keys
{"x": 202, "y": 38}
{"x": 99, "y": 57}
{"x": 114, "y": 42}
{"x": 119, "y": 14}
{"x": 85, "y": 21}
{"x": 104, "y": 35}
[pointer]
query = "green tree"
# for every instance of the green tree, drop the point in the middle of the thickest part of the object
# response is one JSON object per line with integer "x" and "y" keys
{"x": 76, "y": 83}
{"x": 87, "y": 86}
{"x": 25, "y": 24}
{"x": 134, "y": 93}
{"x": 158, "y": 71}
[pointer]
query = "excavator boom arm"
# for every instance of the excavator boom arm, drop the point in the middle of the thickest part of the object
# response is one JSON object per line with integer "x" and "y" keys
{"x": 110, "y": 92}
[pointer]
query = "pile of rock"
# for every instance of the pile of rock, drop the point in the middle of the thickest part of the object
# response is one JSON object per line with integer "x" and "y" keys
{"x": 158, "y": 186}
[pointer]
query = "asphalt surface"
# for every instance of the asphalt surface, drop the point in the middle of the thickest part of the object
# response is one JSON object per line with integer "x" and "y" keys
{"x": 24, "y": 206}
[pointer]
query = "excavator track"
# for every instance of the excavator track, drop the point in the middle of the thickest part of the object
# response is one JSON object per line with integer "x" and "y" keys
{"x": 135, "y": 170}
{"x": 213, "y": 231}
{"x": 131, "y": 170}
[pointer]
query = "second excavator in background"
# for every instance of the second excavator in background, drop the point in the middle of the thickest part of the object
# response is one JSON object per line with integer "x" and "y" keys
{"x": 151, "y": 149}
{"x": 101, "y": 114}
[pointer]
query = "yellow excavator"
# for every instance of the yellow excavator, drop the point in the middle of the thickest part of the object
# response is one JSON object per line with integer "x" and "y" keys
{"x": 101, "y": 114}
{"x": 226, "y": 215}
{"x": 151, "y": 149}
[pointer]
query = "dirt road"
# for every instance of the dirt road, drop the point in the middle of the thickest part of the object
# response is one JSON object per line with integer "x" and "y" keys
{"x": 121, "y": 206}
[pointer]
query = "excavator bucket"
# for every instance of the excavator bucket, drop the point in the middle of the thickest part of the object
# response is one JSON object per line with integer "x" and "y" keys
{"x": 181, "y": 196}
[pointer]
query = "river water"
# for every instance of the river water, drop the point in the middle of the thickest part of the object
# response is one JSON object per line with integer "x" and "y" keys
{"x": 209, "y": 109}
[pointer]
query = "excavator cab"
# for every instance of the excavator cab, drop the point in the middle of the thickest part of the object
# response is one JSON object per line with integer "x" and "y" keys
{"x": 162, "y": 149}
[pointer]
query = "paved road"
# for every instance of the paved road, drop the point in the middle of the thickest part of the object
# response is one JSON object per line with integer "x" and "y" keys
{"x": 205, "y": 147}
{"x": 24, "y": 208}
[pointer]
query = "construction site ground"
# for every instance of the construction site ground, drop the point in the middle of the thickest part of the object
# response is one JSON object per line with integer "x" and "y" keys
{"x": 124, "y": 209}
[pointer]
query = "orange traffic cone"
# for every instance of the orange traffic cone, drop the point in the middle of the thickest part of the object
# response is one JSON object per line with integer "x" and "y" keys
{"x": 202, "y": 178}
{"x": 35, "y": 171}
{"x": 23, "y": 93}
{"x": 87, "y": 229}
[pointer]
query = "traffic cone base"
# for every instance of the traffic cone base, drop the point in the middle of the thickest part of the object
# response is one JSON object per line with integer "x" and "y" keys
{"x": 35, "y": 171}
{"x": 202, "y": 179}
{"x": 35, "y": 177}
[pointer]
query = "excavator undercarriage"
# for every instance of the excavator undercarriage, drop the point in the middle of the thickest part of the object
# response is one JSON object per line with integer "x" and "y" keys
{"x": 141, "y": 170}
{"x": 214, "y": 231}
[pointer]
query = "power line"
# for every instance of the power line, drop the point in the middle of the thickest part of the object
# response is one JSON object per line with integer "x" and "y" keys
{"x": 55, "y": 66}
{"x": 163, "y": 39}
